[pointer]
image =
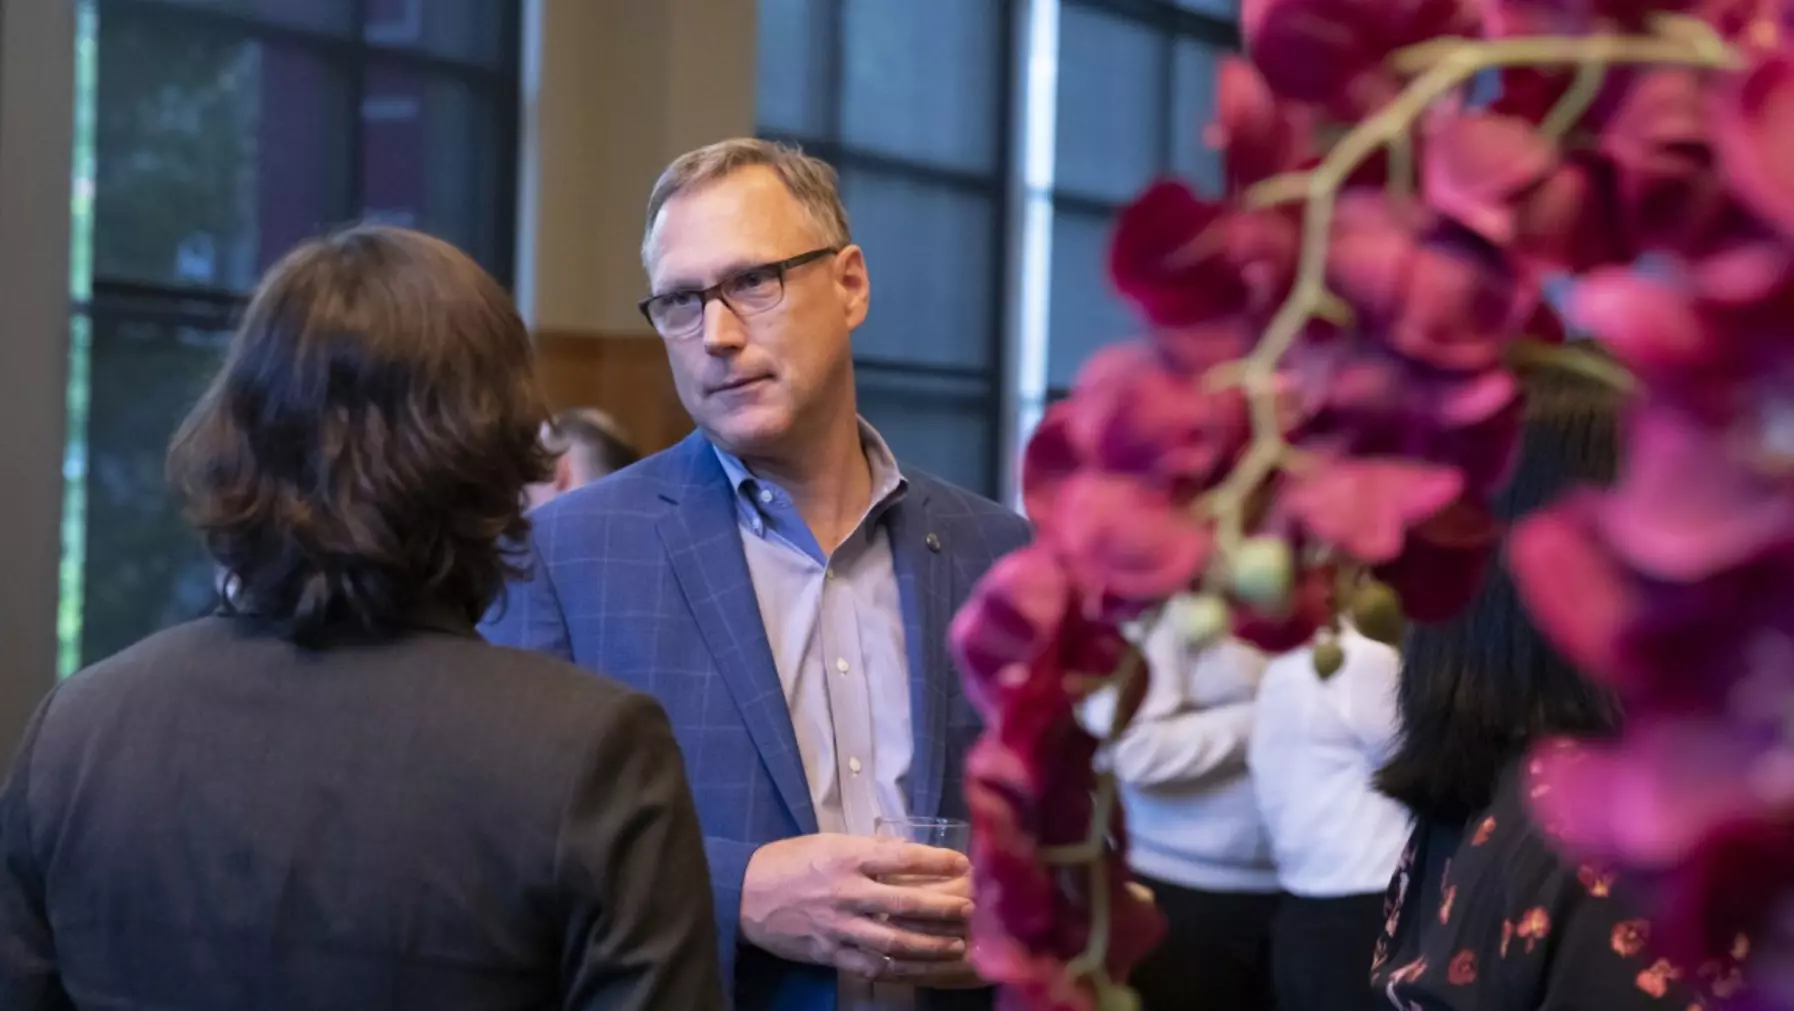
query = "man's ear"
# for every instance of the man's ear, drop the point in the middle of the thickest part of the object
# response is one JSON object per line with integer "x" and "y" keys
{"x": 855, "y": 284}
{"x": 563, "y": 473}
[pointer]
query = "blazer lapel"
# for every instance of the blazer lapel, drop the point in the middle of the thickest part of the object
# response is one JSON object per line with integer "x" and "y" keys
{"x": 703, "y": 546}
{"x": 925, "y": 582}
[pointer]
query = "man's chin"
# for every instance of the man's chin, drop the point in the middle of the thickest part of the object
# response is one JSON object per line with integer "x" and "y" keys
{"x": 756, "y": 433}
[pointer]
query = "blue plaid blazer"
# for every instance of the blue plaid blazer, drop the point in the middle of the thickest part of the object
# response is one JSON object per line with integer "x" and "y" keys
{"x": 641, "y": 576}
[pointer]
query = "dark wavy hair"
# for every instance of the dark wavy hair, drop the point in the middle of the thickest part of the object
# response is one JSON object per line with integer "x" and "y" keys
{"x": 1477, "y": 690}
{"x": 359, "y": 460}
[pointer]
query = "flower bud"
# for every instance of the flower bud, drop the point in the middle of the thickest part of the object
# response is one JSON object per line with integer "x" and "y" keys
{"x": 1329, "y": 656}
{"x": 1117, "y": 998}
{"x": 1377, "y": 612}
{"x": 1200, "y": 618}
{"x": 1263, "y": 570}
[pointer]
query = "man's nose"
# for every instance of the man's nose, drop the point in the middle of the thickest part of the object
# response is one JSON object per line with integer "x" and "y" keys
{"x": 723, "y": 330}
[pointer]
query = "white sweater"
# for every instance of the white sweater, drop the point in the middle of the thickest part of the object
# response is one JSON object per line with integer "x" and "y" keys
{"x": 1315, "y": 748}
{"x": 1192, "y": 814}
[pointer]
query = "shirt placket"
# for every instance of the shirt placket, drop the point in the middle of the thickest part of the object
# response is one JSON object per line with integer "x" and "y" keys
{"x": 850, "y": 708}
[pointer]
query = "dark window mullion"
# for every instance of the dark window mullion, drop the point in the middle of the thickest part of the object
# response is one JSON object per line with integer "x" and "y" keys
{"x": 354, "y": 194}
{"x": 843, "y": 157}
{"x": 1162, "y": 16}
{"x": 324, "y": 44}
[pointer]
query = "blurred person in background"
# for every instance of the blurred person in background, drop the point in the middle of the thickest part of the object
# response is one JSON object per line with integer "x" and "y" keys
{"x": 1195, "y": 836}
{"x": 586, "y": 444}
{"x": 1484, "y": 913}
{"x": 1317, "y": 744}
{"x": 332, "y": 794}
{"x": 784, "y": 586}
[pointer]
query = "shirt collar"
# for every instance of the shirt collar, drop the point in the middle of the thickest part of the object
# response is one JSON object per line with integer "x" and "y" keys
{"x": 888, "y": 482}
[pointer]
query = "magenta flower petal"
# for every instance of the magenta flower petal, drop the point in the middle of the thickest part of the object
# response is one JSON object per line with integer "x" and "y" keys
{"x": 1167, "y": 257}
{"x": 1365, "y": 507}
{"x": 1013, "y": 615}
{"x": 1650, "y": 798}
{"x": 1751, "y": 115}
{"x": 1658, "y": 143}
{"x": 1123, "y": 541}
{"x": 1735, "y": 883}
{"x": 1258, "y": 136}
{"x": 1311, "y": 606}
{"x": 1477, "y": 166}
{"x": 1578, "y": 594}
{"x": 1649, "y": 326}
{"x": 1443, "y": 563}
{"x": 1684, "y": 507}
{"x": 1050, "y": 459}
{"x": 1335, "y": 52}
{"x": 1135, "y": 417}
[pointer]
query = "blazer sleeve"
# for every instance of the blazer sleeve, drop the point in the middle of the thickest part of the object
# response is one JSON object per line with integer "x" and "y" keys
{"x": 641, "y": 934}
{"x": 30, "y": 979}
{"x": 528, "y": 615}
{"x": 728, "y": 870}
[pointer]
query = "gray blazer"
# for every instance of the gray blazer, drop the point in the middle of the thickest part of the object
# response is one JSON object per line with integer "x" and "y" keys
{"x": 214, "y": 820}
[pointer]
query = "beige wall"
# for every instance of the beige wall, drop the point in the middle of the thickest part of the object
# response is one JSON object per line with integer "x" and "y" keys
{"x": 615, "y": 90}
{"x": 612, "y": 91}
{"x": 36, "y": 127}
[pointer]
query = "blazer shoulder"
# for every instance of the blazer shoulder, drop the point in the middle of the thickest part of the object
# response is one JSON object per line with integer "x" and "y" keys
{"x": 633, "y": 494}
{"x": 956, "y": 504}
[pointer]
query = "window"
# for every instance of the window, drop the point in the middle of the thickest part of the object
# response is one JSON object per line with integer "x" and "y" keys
{"x": 212, "y": 135}
{"x": 910, "y": 102}
{"x": 1136, "y": 85}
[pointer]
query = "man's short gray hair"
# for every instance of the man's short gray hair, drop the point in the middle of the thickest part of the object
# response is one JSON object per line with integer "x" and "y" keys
{"x": 811, "y": 180}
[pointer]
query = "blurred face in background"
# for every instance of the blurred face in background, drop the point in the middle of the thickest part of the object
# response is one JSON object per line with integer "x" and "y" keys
{"x": 586, "y": 444}
{"x": 756, "y": 382}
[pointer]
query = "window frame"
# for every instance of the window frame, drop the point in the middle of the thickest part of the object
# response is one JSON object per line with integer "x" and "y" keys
{"x": 122, "y": 300}
{"x": 830, "y": 40}
{"x": 1173, "y": 24}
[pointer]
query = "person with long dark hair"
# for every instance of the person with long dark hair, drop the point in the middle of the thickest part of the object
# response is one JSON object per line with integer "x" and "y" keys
{"x": 333, "y": 794}
{"x": 1484, "y": 913}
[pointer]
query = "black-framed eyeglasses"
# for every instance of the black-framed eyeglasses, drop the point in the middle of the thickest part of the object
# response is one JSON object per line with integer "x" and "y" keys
{"x": 746, "y": 292}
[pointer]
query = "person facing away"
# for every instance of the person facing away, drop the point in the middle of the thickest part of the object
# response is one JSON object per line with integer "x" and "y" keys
{"x": 784, "y": 587}
{"x": 586, "y": 444}
{"x": 332, "y": 794}
{"x": 1484, "y": 914}
{"x": 1195, "y": 838}
{"x": 1316, "y": 746}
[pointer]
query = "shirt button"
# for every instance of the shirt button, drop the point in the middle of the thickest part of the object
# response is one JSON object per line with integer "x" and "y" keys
{"x": 828, "y": 574}
{"x": 854, "y": 764}
{"x": 841, "y": 664}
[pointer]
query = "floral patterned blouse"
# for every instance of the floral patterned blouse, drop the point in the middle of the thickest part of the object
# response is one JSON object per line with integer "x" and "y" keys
{"x": 1488, "y": 917}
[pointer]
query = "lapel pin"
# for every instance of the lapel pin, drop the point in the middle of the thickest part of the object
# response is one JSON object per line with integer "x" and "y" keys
{"x": 933, "y": 541}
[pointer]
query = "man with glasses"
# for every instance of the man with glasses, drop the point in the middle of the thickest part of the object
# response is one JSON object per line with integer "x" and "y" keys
{"x": 784, "y": 588}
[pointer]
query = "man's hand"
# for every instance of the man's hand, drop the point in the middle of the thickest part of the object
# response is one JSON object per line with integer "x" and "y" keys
{"x": 826, "y": 899}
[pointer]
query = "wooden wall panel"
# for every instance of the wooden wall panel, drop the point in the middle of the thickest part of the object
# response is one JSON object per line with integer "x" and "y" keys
{"x": 625, "y": 374}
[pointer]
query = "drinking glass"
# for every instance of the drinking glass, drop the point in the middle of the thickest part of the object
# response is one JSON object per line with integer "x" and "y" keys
{"x": 941, "y": 833}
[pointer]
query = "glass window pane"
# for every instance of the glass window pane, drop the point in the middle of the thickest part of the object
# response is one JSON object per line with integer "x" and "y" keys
{"x": 431, "y": 159}
{"x": 922, "y": 80}
{"x": 1194, "y": 70}
{"x": 481, "y": 31}
{"x": 1227, "y": 9}
{"x": 793, "y": 87}
{"x": 213, "y": 154}
{"x": 930, "y": 256}
{"x": 940, "y": 424}
{"x": 1084, "y": 312}
{"x": 317, "y": 15}
{"x": 144, "y": 568}
{"x": 1111, "y": 125}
